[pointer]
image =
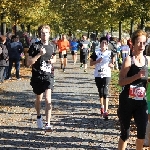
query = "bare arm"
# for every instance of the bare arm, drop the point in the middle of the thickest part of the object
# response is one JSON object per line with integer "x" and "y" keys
{"x": 123, "y": 79}
{"x": 111, "y": 64}
{"x": 92, "y": 62}
{"x": 31, "y": 60}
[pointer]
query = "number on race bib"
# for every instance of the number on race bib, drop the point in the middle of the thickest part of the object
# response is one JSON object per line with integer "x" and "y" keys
{"x": 102, "y": 70}
{"x": 137, "y": 93}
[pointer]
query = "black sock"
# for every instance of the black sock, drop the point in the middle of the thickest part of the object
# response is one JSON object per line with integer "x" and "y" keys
{"x": 38, "y": 117}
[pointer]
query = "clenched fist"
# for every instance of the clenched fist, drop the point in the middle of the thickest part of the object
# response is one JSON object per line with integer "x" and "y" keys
{"x": 42, "y": 51}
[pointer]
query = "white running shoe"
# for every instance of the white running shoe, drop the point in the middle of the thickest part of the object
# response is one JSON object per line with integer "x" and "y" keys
{"x": 48, "y": 128}
{"x": 39, "y": 123}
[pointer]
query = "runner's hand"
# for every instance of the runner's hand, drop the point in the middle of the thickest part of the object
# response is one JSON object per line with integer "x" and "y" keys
{"x": 111, "y": 65}
{"x": 99, "y": 60}
{"x": 51, "y": 60}
{"x": 42, "y": 51}
{"x": 141, "y": 73}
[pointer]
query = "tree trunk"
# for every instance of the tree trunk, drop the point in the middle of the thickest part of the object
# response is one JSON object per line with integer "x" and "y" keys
{"x": 22, "y": 27}
{"x": 142, "y": 23}
{"x": 88, "y": 35}
{"x": 28, "y": 29}
{"x": 120, "y": 30}
{"x": 132, "y": 27}
{"x": 111, "y": 31}
{"x": 96, "y": 33}
{"x": 3, "y": 24}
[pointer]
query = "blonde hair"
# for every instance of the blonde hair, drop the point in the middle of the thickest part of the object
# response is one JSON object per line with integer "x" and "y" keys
{"x": 40, "y": 28}
{"x": 123, "y": 41}
{"x": 136, "y": 34}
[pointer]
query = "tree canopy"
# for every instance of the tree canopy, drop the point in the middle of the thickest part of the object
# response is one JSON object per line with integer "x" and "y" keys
{"x": 67, "y": 15}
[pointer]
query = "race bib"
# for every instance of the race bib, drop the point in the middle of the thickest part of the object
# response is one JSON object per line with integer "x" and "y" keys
{"x": 102, "y": 71}
{"x": 46, "y": 67}
{"x": 137, "y": 93}
{"x": 63, "y": 52}
{"x": 85, "y": 45}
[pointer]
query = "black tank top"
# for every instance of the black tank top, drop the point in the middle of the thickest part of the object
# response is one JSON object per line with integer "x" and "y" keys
{"x": 134, "y": 70}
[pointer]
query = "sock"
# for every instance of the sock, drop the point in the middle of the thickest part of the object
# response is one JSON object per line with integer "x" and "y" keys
{"x": 38, "y": 117}
{"x": 102, "y": 106}
{"x": 47, "y": 124}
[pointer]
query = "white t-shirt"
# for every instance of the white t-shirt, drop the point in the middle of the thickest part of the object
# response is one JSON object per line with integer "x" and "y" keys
{"x": 102, "y": 69}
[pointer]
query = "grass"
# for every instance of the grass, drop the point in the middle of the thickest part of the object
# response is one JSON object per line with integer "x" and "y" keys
{"x": 114, "y": 81}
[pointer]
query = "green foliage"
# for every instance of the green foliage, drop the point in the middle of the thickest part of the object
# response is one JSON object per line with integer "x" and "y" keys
{"x": 76, "y": 14}
{"x": 114, "y": 81}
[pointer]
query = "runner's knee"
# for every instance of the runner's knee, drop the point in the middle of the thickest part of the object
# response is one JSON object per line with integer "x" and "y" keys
{"x": 125, "y": 134}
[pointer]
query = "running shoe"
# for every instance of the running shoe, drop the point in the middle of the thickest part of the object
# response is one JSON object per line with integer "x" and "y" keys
{"x": 85, "y": 70}
{"x": 102, "y": 111}
{"x": 105, "y": 115}
{"x": 81, "y": 66}
{"x": 48, "y": 128}
{"x": 64, "y": 70}
{"x": 39, "y": 123}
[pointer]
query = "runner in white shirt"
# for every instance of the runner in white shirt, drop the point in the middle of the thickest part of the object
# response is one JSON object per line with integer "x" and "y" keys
{"x": 103, "y": 60}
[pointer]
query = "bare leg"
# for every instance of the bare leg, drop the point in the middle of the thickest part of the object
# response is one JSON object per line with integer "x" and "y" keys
{"x": 62, "y": 62}
{"x": 106, "y": 104}
{"x": 65, "y": 62}
{"x": 122, "y": 145}
{"x": 48, "y": 105}
{"x": 101, "y": 101}
{"x": 85, "y": 66}
{"x": 38, "y": 103}
{"x": 139, "y": 144}
{"x": 75, "y": 58}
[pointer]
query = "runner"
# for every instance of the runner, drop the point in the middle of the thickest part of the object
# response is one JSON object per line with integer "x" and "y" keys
{"x": 103, "y": 60}
{"x": 42, "y": 56}
{"x": 63, "y": 46}
{"x": 132, "y": 101}
{"x": 74, "y": 48}
{"x": 84, "y": 49}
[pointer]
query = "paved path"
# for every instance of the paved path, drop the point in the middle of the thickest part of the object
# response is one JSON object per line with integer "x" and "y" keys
{"x": 75, "y": 116}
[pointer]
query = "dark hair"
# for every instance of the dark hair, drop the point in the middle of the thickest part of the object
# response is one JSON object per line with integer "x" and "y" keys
{"x": 103, "y": 38}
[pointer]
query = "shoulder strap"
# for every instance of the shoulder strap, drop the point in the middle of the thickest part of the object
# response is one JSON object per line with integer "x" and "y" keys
{"x": 50, "y": 43}
{"x": 132, "y": 60}
{"x": 146, "y": 61}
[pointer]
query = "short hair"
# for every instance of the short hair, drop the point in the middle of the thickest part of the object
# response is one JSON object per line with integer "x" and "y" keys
{"x": 103, "y": 38}
{"x": 136, "y": 34}
{"x": 2, "y": 38}
{"x": 41, "y": 27}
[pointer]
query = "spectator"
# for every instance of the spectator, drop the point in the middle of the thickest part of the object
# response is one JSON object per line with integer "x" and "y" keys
{"x": 4, "y": 58}
{"x": 125, "y": 50}
{"x": 15, "y": 49}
